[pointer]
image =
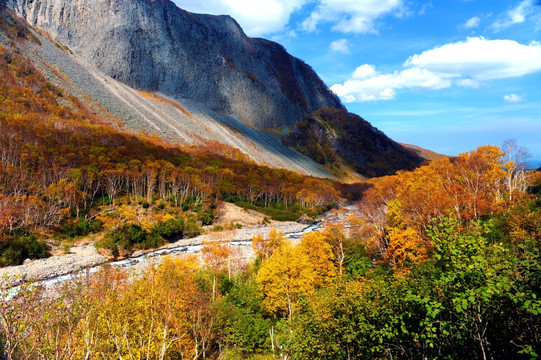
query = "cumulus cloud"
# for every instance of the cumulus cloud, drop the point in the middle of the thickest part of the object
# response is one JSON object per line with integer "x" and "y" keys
{"x": 466, "y": 64}
{"x": 471, "y": 23}
{"x": 357, "y": 16}
{"x": 481, "y": 59}
{"x": 516, "y": 15}
{"x": 255, "y": 17}
{"x": 340, "y": 46}
{"x": 513, "y": 98}
{"x": 264, "y": 17}
{"x": 367, "y": 84}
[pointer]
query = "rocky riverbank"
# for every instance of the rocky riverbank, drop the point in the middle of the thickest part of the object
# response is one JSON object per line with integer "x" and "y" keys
{"x": 86, "y": 256}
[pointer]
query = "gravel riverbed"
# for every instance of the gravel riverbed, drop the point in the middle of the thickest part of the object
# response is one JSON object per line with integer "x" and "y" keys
{"x": 86, "y": 256}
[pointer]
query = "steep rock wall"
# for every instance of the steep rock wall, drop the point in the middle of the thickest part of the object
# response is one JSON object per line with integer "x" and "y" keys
{"x": 153, "y": 45}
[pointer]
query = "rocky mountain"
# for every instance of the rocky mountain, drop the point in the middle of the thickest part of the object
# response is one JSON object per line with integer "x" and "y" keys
{"x": 153, "y": 45}
{"x": 191, "y": 77}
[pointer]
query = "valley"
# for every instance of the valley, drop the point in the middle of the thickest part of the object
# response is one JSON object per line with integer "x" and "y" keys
{"x": 171, "y": 188}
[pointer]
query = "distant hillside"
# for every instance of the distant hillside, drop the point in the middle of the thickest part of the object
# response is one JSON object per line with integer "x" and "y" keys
{"x": 155, "y": 46}
{"x": 339, "y": 140}
{"x": 425, "y": 153}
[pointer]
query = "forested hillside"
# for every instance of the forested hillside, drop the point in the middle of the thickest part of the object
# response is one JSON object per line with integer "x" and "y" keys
{"x": 338, "y": 139}
{"x": 65, "y": 171}
{"x": 441, "y": 263}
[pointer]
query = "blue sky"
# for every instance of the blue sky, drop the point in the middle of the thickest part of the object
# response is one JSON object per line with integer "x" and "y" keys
{"x": 445, "y": 75}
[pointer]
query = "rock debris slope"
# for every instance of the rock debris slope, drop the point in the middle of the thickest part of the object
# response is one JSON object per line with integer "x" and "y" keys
{"x": 181, "y": 121}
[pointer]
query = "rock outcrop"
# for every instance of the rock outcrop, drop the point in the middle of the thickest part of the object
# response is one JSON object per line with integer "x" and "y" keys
{"x": 152, "y": 45}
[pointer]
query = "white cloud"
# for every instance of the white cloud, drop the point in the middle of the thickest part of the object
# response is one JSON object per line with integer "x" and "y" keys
{"x": 481, "y": 59}
{"x": 340, "y": 46}
{"x": 364, "y": 71}
{"x": 425, "y": 7}
{"x": 471, "y": 23}
{"x": 465, "y": 64}
{"x": 467, "y": 83}
{"x": 255, "y": 17}
{"x": 356, "y": 16}
{"x": 513, "y": 98}
{"x": 516, "y": 15}
{"x": 366, "y": 84}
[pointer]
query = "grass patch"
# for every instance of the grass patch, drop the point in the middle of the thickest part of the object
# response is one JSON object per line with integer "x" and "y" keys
{"x": 273, "y": 212}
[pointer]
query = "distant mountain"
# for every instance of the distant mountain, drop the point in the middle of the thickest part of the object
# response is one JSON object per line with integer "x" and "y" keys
{"x": 196, "y": 74}
{"x": 340, "y": 141}
{"x": 425, "y": 153}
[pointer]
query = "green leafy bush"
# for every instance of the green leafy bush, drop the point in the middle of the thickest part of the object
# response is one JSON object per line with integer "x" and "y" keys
{"x": 82, "y": 227}
{"x": 191, "y": 228}
{"x": 14, "y": 250}
{"x": 130, "y": 237}
{"x": 170, "y": 229}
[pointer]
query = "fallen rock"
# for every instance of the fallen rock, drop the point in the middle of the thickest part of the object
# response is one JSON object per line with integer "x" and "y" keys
{"x": 305, "y": 219}
{"x": 107, "y": 253}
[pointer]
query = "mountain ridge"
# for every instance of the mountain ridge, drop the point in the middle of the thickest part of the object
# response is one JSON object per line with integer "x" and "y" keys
{"x": 206, "y": 65}
{"x": 156, "y": 46}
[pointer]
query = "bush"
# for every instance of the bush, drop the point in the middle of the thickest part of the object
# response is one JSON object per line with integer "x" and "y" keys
{"x": 276, "y": 212}
{"x": 161, "y": 205}
{"x": 127, "y": 237}
{"x": 206, "y": 215}
{"x": 191, "y": 228}
{"x": 15, "y": 250}
{"x": 217, "y": 228}
{"x": 82, "y": 227}
{"x": 130, "y": 237}
{"x": 170, "y": 229}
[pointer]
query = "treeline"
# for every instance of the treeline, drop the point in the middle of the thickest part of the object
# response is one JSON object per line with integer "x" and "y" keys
{"x": 60, "y": 162}
{"x": 447, "y": 276}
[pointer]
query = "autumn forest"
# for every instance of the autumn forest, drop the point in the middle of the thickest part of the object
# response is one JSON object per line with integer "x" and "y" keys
{"x": 439, "y": 262}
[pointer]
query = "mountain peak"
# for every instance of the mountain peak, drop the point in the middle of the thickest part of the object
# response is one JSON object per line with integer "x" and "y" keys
{"x": 152, "y": 45}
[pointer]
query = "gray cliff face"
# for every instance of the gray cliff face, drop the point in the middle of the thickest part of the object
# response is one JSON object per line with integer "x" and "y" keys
{"x": 152, "y": 45}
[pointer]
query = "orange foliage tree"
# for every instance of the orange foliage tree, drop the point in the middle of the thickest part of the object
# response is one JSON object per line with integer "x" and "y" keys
{"x": 398, "y": 210}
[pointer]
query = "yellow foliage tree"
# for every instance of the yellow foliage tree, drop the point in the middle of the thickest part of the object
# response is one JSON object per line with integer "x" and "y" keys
{"x": 321, "y": 257}
{"x": 284, "y": 278}
{"x": 265, "y": 247}
{"x": 405, "y": 247}
{"x": 148, "y": 318}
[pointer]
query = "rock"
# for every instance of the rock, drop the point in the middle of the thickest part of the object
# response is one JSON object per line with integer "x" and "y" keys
{"x": 27, "y": 262}
{"x": 155, "y": 46}
{"x": 107, "y": 253}
{"x": 305, "y": 219}
{"x": 123, "y": 253}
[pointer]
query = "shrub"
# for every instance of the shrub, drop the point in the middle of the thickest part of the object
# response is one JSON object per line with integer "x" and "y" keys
{"x": 206, "y": 215}
{"x": 191, "y": 228}
{"x": 217, "y": 228}
{"x": 82, "y": 227}
{"x": 15, "y": 250}
{"x": 127, "y": 237}
{"x": 161, "y": 205}
{"x": 170, "y": 229}
{"x": 131, "y": 237}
